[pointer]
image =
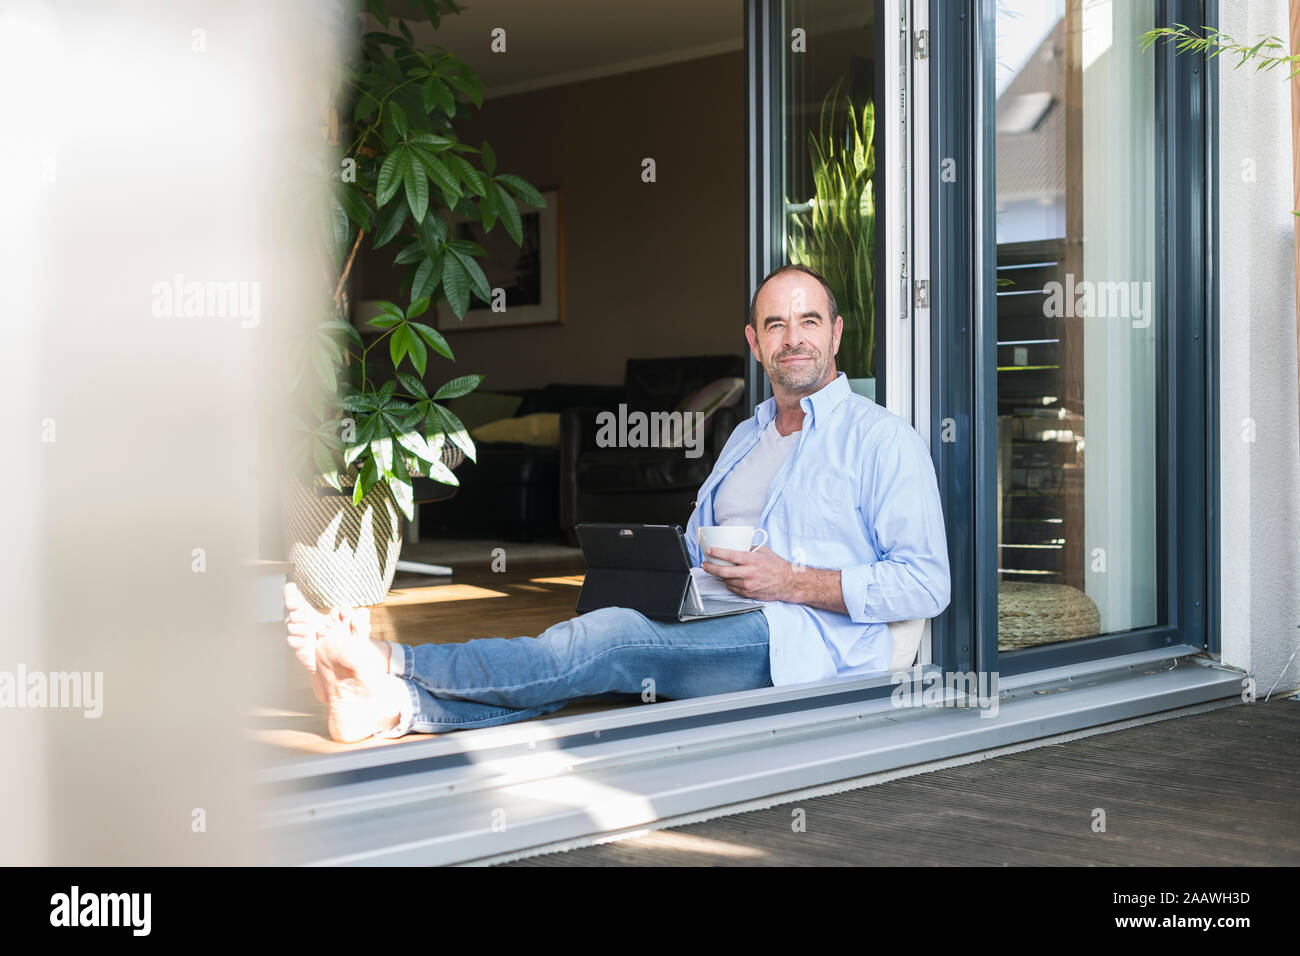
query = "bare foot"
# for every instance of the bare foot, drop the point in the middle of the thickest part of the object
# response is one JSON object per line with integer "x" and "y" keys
{"x": 305, "y": 627}
{"x": 352, "y": 677}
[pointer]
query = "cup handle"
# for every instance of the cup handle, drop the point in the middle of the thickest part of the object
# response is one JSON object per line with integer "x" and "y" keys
{"x": 763, "y": 541}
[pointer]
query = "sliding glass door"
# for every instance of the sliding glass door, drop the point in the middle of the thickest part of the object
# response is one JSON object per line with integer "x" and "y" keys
{"x": 1078, "y": 396}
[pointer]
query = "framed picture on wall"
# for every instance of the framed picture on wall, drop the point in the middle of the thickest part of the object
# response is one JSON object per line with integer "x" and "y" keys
{"x": 531, "y": 274}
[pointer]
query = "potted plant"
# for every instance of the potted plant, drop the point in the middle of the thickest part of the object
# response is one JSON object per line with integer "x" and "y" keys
{"x": 835, "y": 231}
{"x": 396, "y": 168}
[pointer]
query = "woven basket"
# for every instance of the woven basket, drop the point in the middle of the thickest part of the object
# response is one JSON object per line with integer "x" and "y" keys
{"x": 1030, "y": 614}
{"x": 343, "y": 555}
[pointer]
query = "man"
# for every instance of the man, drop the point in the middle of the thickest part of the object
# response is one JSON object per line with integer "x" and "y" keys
{"x": 846, "y": 493}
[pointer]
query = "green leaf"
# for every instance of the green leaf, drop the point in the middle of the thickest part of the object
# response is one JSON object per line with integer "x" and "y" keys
{"x": 434, "y": 339}
{"x": 467, "y": 82}
{"x": 432, "y": 141}
{"x": 455, "y": 285}
{"x": 434, "y": 93}
{"x": 385, "y": 321}
{"x": 489, "y": 159}
{"x": 361, "y": 441}
{"x": 391, "y": 222}
{"x": 476, "y": 276}
{"x": 349, "y": 196}
{"x": 468, "y": 173}
{"x": 488, "y": 207}
{"x": 458, "y": 387}
{"x": 366, "y": 104}
{"x": 403, "y": 492}
{"x": 433, "y": 233}
{"x": 413, "y": 385}
{"x": 419, "y": 353}
{"x": 440, "y": 175}
{"x": 357, "y": 403}
{"x": 523, "y": 190}
{"x": 417, "y": 187}
{"x": 398, "y": 343}
{"x": 427, "y": 276}
{"x": 412, "y": 252}
{"x": 437, "y": 470}
{"x": 389, "y": 176}
{"x": 399, "y": 119}
{"x": 391, "y": 308}
{"x": 467, "y": 245}
{"x": 509, "y": 214}
{"x": 456, "y": 431}
{"x": 368, "y": 478}
{"x": 419, "y": 306}
{"x": 417, "y": 444}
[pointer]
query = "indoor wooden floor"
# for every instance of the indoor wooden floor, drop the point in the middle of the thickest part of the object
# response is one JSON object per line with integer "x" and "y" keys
{"x": 524, "y": 599}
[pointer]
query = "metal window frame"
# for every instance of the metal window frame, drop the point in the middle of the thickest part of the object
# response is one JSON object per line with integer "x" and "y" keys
{"x": 1187, "y": 210}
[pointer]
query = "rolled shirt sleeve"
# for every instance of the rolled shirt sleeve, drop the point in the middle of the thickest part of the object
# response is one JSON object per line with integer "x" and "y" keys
{"x": 900, "y": 502}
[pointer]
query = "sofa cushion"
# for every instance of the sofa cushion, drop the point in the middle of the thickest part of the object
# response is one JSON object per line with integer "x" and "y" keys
{"x": 539, "y": 428}
{"x": 640, "y": 470}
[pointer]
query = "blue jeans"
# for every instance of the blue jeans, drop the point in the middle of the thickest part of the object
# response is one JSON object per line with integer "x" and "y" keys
{"x": 498, "y": 680}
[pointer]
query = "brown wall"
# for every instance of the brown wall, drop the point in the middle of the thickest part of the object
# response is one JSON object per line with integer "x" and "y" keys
{"x": 651, "y": 269}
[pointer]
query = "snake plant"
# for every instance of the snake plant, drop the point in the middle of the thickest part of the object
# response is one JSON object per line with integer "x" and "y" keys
{"x": 835, "y": 232}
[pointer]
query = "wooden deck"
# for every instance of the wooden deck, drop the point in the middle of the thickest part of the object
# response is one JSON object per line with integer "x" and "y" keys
{"x": 1213, "y": 789}
{"x": 525, "y": 599}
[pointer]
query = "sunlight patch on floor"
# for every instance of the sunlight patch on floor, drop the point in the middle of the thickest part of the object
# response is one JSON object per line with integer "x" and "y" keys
{"x": 575, "y": 580}
{"x": 439, "y": 594}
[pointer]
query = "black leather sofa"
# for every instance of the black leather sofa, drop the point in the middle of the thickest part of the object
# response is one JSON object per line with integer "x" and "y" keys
{"x": 645, "y": 484}
{"x": 513, "y": 490}
{"x": 522, "y": 492}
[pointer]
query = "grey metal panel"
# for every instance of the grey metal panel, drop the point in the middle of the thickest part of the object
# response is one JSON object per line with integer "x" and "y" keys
{"x": 435, "y": 821}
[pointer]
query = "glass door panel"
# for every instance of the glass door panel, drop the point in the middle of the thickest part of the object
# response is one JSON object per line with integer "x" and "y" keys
{"x": 831, "y": 145}
{"x": 1078, "y": 321}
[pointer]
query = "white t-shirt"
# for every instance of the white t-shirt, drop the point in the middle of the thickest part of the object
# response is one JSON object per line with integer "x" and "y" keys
{"x": 743, "y": 493}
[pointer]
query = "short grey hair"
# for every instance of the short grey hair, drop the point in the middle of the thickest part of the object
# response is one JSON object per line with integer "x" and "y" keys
{"x": 752, "y": 319}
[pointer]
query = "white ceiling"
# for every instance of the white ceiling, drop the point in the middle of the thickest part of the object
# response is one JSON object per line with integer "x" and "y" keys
{"x": 549, "y": 42}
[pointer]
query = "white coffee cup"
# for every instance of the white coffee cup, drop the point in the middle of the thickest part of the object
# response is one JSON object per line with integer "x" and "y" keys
{"x": 734, "y": 537}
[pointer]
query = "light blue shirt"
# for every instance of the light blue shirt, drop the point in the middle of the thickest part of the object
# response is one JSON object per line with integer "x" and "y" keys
{"x": 859, "y": 495}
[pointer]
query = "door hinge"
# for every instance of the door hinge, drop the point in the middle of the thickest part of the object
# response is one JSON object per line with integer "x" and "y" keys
{"x": 921, "y": 294}
{"x": 921, "y": 44}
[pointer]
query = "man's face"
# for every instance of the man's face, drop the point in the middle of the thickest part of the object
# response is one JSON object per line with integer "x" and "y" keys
{"x": 796, "y": 338}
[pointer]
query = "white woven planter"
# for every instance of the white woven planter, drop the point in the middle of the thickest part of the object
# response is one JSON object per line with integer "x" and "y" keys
{"x": 343, "y": 555}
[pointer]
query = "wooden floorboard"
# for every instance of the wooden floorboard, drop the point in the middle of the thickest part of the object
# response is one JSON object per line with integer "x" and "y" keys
{"x": 524, "y": 599}
{"x": 1214, "y": 789}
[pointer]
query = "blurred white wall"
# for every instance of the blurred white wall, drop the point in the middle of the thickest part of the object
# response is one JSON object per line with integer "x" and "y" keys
{"x": 140, "y": 141}
{"x": 1259, "y": 465}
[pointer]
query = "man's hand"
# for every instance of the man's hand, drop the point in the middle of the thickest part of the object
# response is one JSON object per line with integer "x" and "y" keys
{"x": 763, "y": 575}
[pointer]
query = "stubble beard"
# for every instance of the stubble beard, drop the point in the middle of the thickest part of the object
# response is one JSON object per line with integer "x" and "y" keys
{"x": 799, "y": 380}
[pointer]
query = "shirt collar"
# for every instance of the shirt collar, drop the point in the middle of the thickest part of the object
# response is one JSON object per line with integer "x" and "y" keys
{"x": 817, "y": 406}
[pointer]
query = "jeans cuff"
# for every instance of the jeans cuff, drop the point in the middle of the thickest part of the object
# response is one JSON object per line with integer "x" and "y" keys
{"x": 400, "y": 665}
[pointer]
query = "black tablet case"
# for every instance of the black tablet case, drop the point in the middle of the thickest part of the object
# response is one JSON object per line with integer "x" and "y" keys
{"x": 644, "y": 567}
